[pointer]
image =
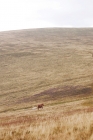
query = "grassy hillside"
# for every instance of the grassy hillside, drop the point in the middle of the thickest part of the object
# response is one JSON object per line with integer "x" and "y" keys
{"x": 51, "y": 66}
{"x": 43, "y": 65}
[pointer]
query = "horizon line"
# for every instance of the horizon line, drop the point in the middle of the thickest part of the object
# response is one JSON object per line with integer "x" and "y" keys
{"x": 35, "y": 28}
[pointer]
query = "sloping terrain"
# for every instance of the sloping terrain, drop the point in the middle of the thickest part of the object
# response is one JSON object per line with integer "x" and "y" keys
{"x": 58, "y": 94}
{"x": 51, "y": 66}
{"x": 44, "y": 65}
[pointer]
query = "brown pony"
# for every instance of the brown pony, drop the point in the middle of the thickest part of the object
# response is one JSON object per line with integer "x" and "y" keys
{"x": 40, "y": 106}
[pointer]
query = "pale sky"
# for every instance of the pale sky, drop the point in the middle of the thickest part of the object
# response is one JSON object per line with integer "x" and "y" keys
{"x": 24, "y": 14}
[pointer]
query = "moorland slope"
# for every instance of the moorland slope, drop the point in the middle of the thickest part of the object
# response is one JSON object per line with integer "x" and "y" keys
{"x": 45, "y": 65}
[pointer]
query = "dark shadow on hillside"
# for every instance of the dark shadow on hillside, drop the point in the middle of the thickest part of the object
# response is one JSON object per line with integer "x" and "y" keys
{"x": 58, "y": 93}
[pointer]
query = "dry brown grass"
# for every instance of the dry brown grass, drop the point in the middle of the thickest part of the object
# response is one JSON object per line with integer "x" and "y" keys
{"x": 54, "y": 66}
{"x": 68, "y": 121}
{"x": 74, "y": 127}
{"x": 32, "y": 61}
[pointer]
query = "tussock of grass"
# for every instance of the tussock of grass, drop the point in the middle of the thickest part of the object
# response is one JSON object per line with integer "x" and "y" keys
{"x": 88, "y": 102}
